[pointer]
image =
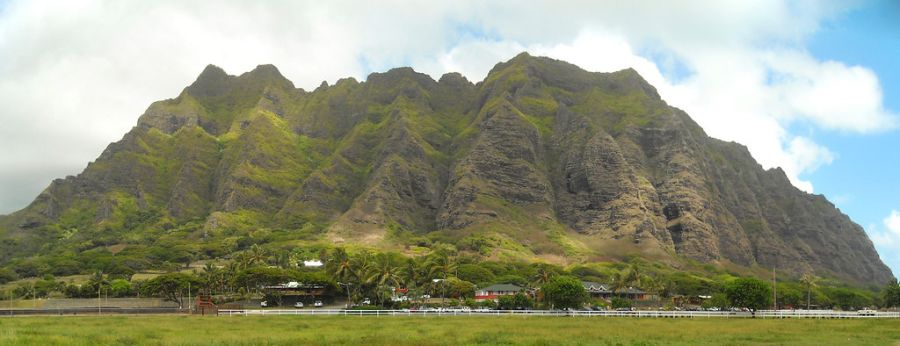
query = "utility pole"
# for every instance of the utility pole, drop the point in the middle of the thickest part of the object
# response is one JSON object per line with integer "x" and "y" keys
{"x": 774, "y": 290}
{"x": 99, "y": 290}
{"x": 808, "y": 292}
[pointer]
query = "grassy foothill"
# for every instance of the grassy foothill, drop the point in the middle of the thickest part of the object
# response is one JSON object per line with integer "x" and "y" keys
{"x": 433, "y": 330}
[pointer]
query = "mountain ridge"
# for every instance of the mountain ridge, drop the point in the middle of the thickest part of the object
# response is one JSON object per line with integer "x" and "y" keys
{"x": 541, "y": 160}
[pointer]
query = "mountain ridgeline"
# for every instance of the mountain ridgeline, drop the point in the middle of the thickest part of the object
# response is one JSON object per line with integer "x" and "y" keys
{"x": 540, "y": 161}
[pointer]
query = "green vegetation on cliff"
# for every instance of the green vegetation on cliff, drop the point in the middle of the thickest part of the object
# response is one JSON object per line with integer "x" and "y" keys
{"x": 541, "y": 162}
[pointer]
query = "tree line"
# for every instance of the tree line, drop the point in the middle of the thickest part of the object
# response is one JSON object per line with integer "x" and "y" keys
{"x": 359, "y": 275}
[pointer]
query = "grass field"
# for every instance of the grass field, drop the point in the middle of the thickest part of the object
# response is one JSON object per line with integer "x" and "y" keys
{"x": 431, "y": 330}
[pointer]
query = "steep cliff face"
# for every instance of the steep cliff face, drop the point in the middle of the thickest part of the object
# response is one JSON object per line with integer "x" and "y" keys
{"x": 540, "y": 160}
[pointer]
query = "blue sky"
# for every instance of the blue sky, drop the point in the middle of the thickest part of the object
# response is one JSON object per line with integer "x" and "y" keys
{"x": 864, "y": 179}
{"x": 809, "y": 86}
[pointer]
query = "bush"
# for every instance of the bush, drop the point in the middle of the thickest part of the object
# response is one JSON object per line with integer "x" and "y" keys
{"x": 487, "y": 304}
{"x": 506, "y": 303}
{"x": 7, "y": 275}
{"x": 600, "y": 303}
{"x": 848, "y": 299}
{"x": 750, "y": 293}
{"x": 564, "y": 292}
{"x": 620, "y": 303}
{"x": 457, "y": 288}
{"x": 120, "y": 288}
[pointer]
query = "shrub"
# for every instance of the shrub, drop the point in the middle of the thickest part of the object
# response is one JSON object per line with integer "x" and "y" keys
{"x": 564, "y": 292}
{"x": 750, "y": 293}
{"x": 7, "y": 275}
{"x": 620, "y": 303}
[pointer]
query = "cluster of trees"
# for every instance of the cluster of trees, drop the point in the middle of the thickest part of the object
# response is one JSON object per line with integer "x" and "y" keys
{"x": 368, "y": 275}
{"x": 891, "y": 294}
{"x": 363, "y": 275}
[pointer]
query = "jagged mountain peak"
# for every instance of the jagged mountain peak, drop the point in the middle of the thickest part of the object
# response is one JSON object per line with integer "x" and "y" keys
{"x": 540, "y": 161}
{"x": 213, "y": 81}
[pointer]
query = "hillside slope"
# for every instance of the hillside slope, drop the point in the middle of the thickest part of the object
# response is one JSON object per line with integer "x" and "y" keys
{"x": 541, "y": 161}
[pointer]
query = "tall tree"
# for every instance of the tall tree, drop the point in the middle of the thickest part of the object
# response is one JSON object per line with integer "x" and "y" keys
{"x": 542, "y": 275}
{"x": 618, "y": 282}
{"x": 386, "y": 274}
{"x": 211, "y": 277}
{"x": 750, "y": 293}
{"x": 258, "y": 255}
{"x": 892, "y": 294}
{"x": 655, "y": 287}
{"x": 171, "y": 286}
{"x": 410, "y": 275}
{"x": 634, "y": 276}
{"x": 809, "y": 280}
{"x": 564, "y": 292}
{"x": 440, "y": 266}
{"x": 340, "y": 267}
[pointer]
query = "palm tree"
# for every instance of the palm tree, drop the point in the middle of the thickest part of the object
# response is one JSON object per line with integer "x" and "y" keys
{"x": 618, "y": 281}
{"x": 656, "y": 287}
{"x": 385, "y": 273}
{"x": 341, "y": 268}
{"x": 810, "y": 281}
{"x": 361, "y": 271}
{"x": 242, "y": 261}
{"x": 257, "y": 254}
{"x": 542, "y": 275}
{"x": 440, "y": 266}
{"x": 211, "y": 275}
{"x": 280, "y": 258}
{"x": 634, "y": 276}
{"x": 410, "y": 276}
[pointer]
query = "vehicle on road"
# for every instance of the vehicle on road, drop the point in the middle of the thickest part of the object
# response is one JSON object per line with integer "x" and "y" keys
{"x": 318, "y": 304}
{"x": 263, "y": 304}
{"x": 866, "y": 312}
{"x": 298, "y": 305}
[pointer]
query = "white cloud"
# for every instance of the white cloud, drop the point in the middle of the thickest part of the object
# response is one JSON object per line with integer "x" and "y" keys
{"x": 892, "y": 223}
{"x": 77, "y": 74}
{"x": 887, "y": 239}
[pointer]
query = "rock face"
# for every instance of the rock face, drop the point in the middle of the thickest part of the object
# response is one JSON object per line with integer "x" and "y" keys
{"x": 540, "y": 159}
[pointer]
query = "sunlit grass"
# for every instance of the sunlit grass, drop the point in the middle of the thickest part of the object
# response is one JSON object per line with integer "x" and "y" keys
{"x": 433, "y": 330}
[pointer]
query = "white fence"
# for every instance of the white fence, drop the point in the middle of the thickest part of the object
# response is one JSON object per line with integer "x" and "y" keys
{"x": 815, "y": 314}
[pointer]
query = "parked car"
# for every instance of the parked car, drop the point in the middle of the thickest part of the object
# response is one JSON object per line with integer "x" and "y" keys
{"x": 298, "y": 305}
{"x": 318, "y": 304}
{"x": 866, "y": 312}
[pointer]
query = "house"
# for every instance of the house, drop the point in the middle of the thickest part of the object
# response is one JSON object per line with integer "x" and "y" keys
{"x": 605, "y": 291}
{"x": 292, "y": 292}
{"x": 597, "y": 290}
{"x": 495, "y": 291}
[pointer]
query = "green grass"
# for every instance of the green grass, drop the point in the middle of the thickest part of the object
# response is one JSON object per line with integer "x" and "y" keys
{"x": 430, "y": 330}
